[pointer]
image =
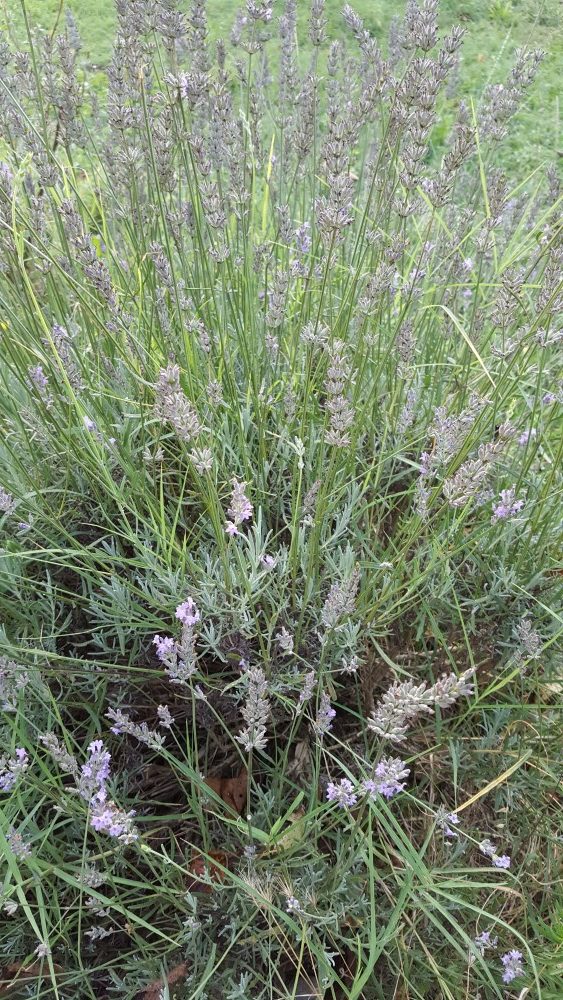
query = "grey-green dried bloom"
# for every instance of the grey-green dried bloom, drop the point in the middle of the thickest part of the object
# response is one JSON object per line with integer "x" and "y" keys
{"x": 241, "y": 508}
{"x": 62, "y": 340}
{"x": 277, "y": 300}
{"x": 285, "y": 640}
{"x": 469, "y": 482}
{"x": 255, "y": 712}
{"x": 202, "y": 459}
{"x": 66, "y": 761}
{"x": 165, "y": 718}
{"x": 316, "y": 334}
{"x": 501, "y": 101}
{"x": 308, "y": 689}
{"x": 404, "y": 702}
{"x": 420, "y": 25}
{"x": 7, "y": 502}
{"x": 81, "y": 241}
{"x": 13, "y": 679}
{"x": 12, "y": 768}
{"x": 260, "y": 10}
{"x": 337, "y": 383}
{"x": 17, "y": 844}
{"x": 449, "y": 688}
{"x": 317, "y": 23}
{"x": 309, "y": 503}
{"x": 529, "y": 639}
{"x": 122, "y": 723}
{"x": 341, "y": 600}
{"x": 173, "y": 406}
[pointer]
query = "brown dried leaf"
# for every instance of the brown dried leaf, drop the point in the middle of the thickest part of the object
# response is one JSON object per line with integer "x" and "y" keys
{"x": 200, "y": 863}
{"x": 233, "y": 791}
{"x": 301, "y": 765}
{"x": 154, "y": 990}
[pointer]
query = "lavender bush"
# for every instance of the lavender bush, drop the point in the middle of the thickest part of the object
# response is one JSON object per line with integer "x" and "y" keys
{"x": 280, "y": 504}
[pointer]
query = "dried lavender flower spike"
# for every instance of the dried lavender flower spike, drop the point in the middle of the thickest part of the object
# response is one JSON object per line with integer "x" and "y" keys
{"x": 255, "y": 712}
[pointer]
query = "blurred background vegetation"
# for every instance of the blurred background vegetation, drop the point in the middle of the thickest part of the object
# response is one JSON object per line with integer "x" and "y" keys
{"x": 495, "y": 28}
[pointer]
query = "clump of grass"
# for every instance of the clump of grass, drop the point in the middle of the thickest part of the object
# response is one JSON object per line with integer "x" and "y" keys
{"x": 280, "y": 489}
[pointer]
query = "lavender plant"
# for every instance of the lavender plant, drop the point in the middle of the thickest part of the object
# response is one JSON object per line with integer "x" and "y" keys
{"x": 280, "y": 481}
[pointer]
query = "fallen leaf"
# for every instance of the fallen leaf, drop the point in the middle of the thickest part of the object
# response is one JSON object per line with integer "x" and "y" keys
{"x": 201, "y": 863}
{"x": 233, "y": 791}
{"x": 301, "y": 766}
{"x": 154, "y": 990}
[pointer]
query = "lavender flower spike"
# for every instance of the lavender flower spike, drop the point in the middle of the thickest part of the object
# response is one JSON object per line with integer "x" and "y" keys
{"x": 256, "y": 711}
{"x": 387, "y": 778}
{"x": 501, "y": 861}
{"x": 188, "y": 613}
{"x": 240, "y": 510}
{"x": 12, "y": 769}
{"x": 484, "y": 941}
{"x": 325, "y": 715}
{"x": 507, "y": 506}
{"x": 106, "y": 817}
{"x": 513, "y": 967}
{"x": 342, "y": 793}
{"x": 404, "y": 702}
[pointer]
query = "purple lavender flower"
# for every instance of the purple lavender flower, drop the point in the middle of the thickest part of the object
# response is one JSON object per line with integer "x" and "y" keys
{"x": 91, "y": 780}
{"x": 508, "y": 506}
{"x": 12, "y": 769}
{"x": 342, "y": 793}
{"x": 241, "y": 508}
{"x": 501, "y": 861}
{"x": 387, "y": 777}
{"x": 489, "y": 850}
{"x": 165, "y": 645}
{"x": 303, "y": 241}
{"x": 179, "y": 657}
{"x": 7, "y": 502}
{"x": 527, "y": 436}
{"x": 95, "y": 772}
{"x": 325, "y": 715}
{"x": 106, "y": 817}
{"x": 39, "y": 381}
{"x": 444, "y": 819}
{"x": 484, "y": 941}
{"x": 513, "y": 967}
{"x": 188, "y": 613}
